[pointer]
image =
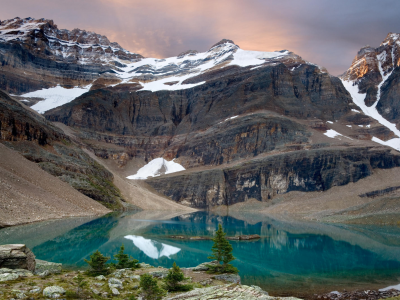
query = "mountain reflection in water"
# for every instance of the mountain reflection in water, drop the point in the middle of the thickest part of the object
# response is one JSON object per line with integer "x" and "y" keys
{"x": 289, "y": 257}
{"x": 152, "y": 248}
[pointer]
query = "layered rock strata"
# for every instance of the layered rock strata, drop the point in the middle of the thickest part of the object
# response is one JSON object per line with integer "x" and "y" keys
{"x": 265, "y": 178}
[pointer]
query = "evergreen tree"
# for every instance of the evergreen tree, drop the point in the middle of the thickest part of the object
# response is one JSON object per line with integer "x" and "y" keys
{"x": 124, "y": 262}
{"x": 222, "y": 252}
{"x": 173, "y": 279}
{"x": 97, "y": 264}
{"x": 150, "y": 288}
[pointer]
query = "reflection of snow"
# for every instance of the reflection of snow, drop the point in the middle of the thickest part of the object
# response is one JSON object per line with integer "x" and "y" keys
{"x": 152, "y": 248}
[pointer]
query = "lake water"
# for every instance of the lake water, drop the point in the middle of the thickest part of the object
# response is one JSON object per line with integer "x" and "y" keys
{"x": 290, "y": 258}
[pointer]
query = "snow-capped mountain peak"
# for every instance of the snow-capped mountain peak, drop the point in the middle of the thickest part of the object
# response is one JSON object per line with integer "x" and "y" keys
{"x": 80, "y": 46}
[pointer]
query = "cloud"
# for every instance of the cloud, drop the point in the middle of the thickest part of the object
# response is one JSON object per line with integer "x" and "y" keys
{"x": 328, "y": 33}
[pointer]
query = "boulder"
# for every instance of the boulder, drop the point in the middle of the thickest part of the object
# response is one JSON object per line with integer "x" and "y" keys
{"x": 115, "y": 283}
{"x": 114, "y": 291}
{"x": 228, "y": 291}
{"x": 8, "y": 277}
{"x": 204, "y": 266}
{"x": 51, "y": 267}
{"x": 9, "y": 274}
{"x": 234, "y": 278}
{"x": 100, "y": 277}
{"x": 159, "y": 274}
{"x": 53, "y": 292}
{"x": 35, "y": 290}
{"x": 17, "y": 256}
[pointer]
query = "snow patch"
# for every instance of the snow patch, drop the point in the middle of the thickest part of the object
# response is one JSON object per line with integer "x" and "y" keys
{"x": 153, "y": 248}
{"x": 55, "y": 97}
{"x": 330, "y": 122}
{"x": 157, "y": 167}
{"x": 373, "y": 113}
{"x": 332, "y": 134}
{"x": 244, "y": 58}
{"x": 229, "y": 119}
{"x": 355, "y": 110}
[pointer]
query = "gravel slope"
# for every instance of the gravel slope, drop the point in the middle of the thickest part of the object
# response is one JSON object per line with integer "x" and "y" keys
{"x": 29, "y": 194}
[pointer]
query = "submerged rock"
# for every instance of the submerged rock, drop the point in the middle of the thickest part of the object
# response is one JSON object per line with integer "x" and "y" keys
{"x": 244, "y": 237}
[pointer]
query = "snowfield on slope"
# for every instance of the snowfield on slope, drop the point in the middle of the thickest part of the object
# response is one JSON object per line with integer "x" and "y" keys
{"x": 55, "y": 97}
{"x": 373, "y": 113}
{"x": 157, "y": 167}
{"x": 333, "y": 134}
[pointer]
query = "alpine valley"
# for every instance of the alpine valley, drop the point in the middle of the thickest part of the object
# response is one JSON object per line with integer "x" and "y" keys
{"x": 87, "y": 127}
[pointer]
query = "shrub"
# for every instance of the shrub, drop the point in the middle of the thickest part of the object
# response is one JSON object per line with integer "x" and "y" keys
{"x": 222, "y": 252}
{"x": 150, "y": 288}
{"x": 97, "y": 264}
{"x": 81, "y": 283}
{"x": 173, "y": 279}
{"x": 124, "y": 261}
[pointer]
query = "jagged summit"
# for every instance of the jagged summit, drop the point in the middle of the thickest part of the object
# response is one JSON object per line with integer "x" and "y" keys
{"x": 44, "y": 37}
{"x": 375, "y": 63}
{"x": 223, "y": 42}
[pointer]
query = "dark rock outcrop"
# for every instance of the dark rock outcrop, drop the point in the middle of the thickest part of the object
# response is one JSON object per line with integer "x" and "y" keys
{"x": 17, "y": 256}
{"x": 263, "y": 179}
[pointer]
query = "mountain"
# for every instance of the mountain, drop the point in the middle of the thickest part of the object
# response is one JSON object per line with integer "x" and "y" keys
{"x": 251, "y": 129}
{"x": 373, "y": 81}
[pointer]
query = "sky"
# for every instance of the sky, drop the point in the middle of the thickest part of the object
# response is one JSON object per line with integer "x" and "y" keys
{"x": 326, "y": 32}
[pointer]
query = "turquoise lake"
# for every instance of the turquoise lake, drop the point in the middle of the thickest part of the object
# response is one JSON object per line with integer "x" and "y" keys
{"x": 290, "y": 258}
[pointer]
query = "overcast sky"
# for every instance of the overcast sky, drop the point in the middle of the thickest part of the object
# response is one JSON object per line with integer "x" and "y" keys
{"x": 325, "y": 32}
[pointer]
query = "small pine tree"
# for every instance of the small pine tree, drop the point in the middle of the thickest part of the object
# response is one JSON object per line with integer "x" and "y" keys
{"x": 150, "y": 288}
{"x": 173, "y": 279}
{"x": 222, "y": 252}
{"x": 81, "y": 283}
{"x": 124, "y": 262}
{"x": 97, "y": 264}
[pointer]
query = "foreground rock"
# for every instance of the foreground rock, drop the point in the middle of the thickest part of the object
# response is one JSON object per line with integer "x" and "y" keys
{"x": 228, "y": 291}
{"x": 53, "y": 292}
{"x": 17, "y": 256}
{"x": 50, "y": 267}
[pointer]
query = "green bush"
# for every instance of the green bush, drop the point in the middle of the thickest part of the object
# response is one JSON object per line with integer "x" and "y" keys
{"x": 173, "y": 280}
{"x": 222, "y": 252}
{"x": 150, "y": 288}
{"x": 81, "y": 283}
{"x": 98, "y": 264}
{"x": 124, "y": 262}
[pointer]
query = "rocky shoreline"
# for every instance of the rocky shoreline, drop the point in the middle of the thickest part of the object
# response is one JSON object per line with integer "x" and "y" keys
{"x": 24, "y": 277}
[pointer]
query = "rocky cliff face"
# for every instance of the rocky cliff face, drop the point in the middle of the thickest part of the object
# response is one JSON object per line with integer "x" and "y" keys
{"x": 375, "y": 72}
{"x": 254, "y": 124}
{"x": 263, "y": 179}
{"x": 43, "y": 143}
{"x": 35, "y": 54}
{"x": 215, "y": 122}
